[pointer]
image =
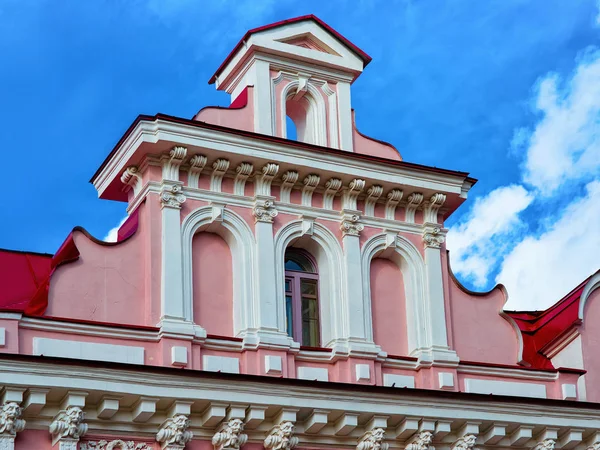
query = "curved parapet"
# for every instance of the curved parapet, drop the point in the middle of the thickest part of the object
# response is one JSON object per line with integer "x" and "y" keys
{"x": 481, "y": 330}
{"x": 373, "y": 147}
{"x": 238, "y": 115}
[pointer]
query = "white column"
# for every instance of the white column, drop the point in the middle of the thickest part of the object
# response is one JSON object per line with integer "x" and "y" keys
{"x": 436, "y": 337}
{"x": 263, "y": 111}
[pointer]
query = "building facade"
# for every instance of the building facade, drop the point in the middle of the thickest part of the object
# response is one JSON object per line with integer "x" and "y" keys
{"x": 275, "y": 293}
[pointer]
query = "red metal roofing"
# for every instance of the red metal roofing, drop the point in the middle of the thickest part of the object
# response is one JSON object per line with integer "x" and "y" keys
{"x": 366, "y": 58}
{"x": 21, "y": 275}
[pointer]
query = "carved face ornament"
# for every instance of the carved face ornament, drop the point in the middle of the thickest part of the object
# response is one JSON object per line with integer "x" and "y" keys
{"x": 287, "y": 429}
{"x": 74, "y": 414}
{"x": 12, "y": 411}
{"x": 235, "y": 426}
{"x": 425, "y": 438}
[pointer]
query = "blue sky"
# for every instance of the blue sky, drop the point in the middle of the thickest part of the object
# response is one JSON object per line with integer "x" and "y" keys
{"x": 503, "y": 89}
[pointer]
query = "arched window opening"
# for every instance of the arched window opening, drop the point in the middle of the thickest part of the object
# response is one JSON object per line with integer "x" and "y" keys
{"x": 302, "y": 298}
{"x": 299, "y": 111}
{"x": 290, "y": 127}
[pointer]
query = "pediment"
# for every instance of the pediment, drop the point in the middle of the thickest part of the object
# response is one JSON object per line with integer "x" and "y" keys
{"x": 309, "y": 41}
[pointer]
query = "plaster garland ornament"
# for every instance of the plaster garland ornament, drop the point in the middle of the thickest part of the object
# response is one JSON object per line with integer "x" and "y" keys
{"x": 433, "y": 237}
{"x": 264, "y": 211}
{"x": 174, "y": 433}
{"x": 373, "y": 440}
{"x": 230, "y": 436}
{"x": 350, "y": 225}
{"x": 467, "y": 442}
{"x": 546, "y": 444}
{"x": 281, "y": 437}
{"x": 117, "y": 444}
{"x": 421, "y": 441}
{"x": 68, "y": 424}
{"x": 171, "y": 196}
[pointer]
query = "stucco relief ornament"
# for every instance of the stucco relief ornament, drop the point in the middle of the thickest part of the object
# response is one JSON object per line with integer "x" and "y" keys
{"x": 433, "y": 237}
{"x": 467, "y": 442}
{"x": 10, "y": 419}
{"x": 230, "y": 436}
{"x": 68, "y": 424}
{"x": 350, "y": 225}
{"x": 546, "y": 444}
{"x": 281, "y": 437}
{"x": 422, "y": 441}
{"x": 373, "y": 440}
{"x": 594, "y": 446}
{"x": 171, "y": 196}
{"x": 264, "y": 211}
{"x": 117, "y": 444}
{"x": 173, "y": 433}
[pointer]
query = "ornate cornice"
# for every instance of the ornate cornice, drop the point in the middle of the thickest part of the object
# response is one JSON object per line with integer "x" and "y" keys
{"x": 352, "y": 192}
{"x": 413, "y": 202}
{"x": 196, "y": 165}
{"x": 171, "y": 163}
{"x": 332, "y": 187}
{"x": 131, "y": 177}
{"x": 243, "y": 171}
{"x": 174, "y": 433}
{"x": 310, "y": 183}
{"x": 264, "y": 179}
{"x": 220, "y": 167}
{"x": 432, "y": 207}
{"x": 373, "y": 194}
{"x": 288, "y": 180}
{"x": 281, "y": 437}
{"x": 230, "y": 436}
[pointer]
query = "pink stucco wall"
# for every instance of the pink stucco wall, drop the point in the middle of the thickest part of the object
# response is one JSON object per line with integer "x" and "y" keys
{"x": 590, "y": 342}
{"x": 388, "y": 306}
{"x": 212, "y": 284}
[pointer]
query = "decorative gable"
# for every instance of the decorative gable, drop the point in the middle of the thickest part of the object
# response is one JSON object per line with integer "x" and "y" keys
{"x": 310, "y": 42}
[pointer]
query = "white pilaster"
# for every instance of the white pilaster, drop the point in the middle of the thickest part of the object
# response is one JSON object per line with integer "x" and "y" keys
{"x": 345, "y": 116}
{"x": 263, "y": 113}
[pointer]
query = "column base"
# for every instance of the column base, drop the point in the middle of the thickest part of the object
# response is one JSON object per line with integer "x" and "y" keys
{"x": 262, "y": 338}
{"x": 432, "y": 355}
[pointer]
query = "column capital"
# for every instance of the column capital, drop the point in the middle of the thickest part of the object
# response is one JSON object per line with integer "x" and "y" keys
{"x": 68, "y": 425}
{"x": 281, "y": 437}
{"x": 350, "y": 223}
{"x": 173, "y": 433}
{"x": 264, "y": 210}
{"x": 433, "y": 236}
{"x": 230, "y": 436}
{"x": 171, "y": 196}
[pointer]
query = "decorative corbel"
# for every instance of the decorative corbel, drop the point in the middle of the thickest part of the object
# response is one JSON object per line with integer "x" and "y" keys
{"x": 281, "y": 437}
{"x": 350, "y": 225}
{"x": 393, "y": 198}
{"x": 310, "y": 183}
{"x": 132, "y": 179}
{"x": 288, "y": 180}
{"x": 217, "y": 210}
{"x": 467, "y": 442}
{"x": 302, "y": 87}
{"x": 373, "y": 440}
{"x": 171, "y": 163}
{"x": 220, "y": 167}
{"x": 332, "y": 187}
{"x": 68, "y": 427}
{"x": 413, "y": 202}
{"x": 243, "y": 171}
{"x": 351, "y": 193}
{"x": 10, "y": 424}
{"x": 230, "y": 436}
{"x": 263, "y": 179}
{"x": 373, "y": 194}
{"x": 308, "y": 225}
{"x": 432, "y": 207}
{"x": 173, "y": 433}
{"x": 421, "y": 441}
{"x": 197, "y": 163}
{"x": 546, "y": 444}
{"x": 171, "y": 196}
{"x": 116, "y": 444}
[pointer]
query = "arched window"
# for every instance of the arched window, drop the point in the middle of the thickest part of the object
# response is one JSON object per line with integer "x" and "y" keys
{"x": 302, "y": 297}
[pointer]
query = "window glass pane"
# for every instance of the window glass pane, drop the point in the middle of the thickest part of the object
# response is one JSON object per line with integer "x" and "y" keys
{"x": 310, "y": 308}
{"x": 310, "y": 333}
{"x": 289, "y": 316}
{"x": 308, "y": 287}
{"x": 288, "y": 287}
{"x": 297, "y": 260}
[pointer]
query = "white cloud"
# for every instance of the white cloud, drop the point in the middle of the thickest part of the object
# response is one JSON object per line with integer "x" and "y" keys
{"x": 561, "y": 154}
{"x": 540, "y": 270}
{"x": 565, "y": 144}
{"x": 111, "y": 236}
{"x": 475, "y": 242}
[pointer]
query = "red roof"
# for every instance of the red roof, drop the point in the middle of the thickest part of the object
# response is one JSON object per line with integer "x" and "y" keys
{"x": 21, "y": 275}
{"x": 366, "y": 58}
{"x": 541, "y": 329}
